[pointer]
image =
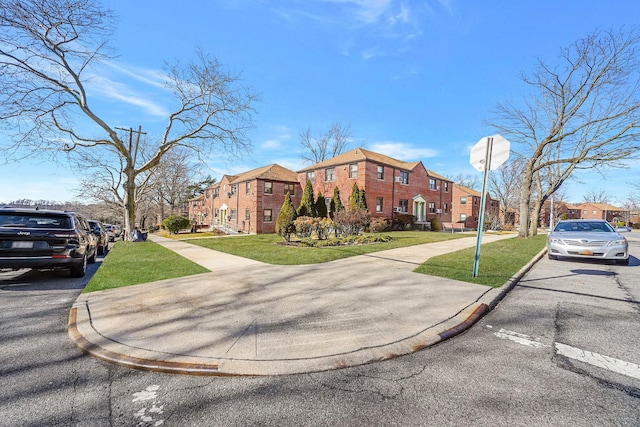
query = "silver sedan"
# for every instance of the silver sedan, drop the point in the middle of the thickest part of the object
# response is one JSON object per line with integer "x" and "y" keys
{"x": 587, "y": 238}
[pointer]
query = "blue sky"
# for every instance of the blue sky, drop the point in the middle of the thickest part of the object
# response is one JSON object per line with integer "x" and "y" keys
{"x": 415, "y": 79}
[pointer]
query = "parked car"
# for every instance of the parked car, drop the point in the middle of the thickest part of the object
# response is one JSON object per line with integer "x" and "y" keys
{"x": 111, "y": 232}
{"x": 45, "y": 239}
{"x": 623, "y": 229}
{"x": 102, "y": 239}
{"x": 587, "y": 238}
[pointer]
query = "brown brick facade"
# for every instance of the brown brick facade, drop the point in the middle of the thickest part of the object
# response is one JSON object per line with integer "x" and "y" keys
{"x": 391, "y": 186}
{"x": 249, "y": 202}
{"x": 466, "y": 207}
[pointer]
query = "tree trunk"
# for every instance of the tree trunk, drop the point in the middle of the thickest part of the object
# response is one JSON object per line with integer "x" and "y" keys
{"x": 129, "y": 203}
{"x": 525, "y": 196}
{"x": 535, "y": 218}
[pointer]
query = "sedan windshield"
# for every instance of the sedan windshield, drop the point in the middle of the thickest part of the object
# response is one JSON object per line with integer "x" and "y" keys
{"x": 585, "y": 226}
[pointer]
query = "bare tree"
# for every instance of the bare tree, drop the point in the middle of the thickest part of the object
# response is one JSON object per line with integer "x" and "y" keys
{"x": 327, "y": 145}
{"x": 170, "y": 183}
{"x": 594, "y": 196}
{"x": 472, "y": 181}
{"x": 504, "y": 186}
{"x": 104, "y": 179}
{"x": 585, "y": 115}
{"x": 48, "y": 50}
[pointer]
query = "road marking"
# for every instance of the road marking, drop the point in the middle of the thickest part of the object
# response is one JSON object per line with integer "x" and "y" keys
{"x": 599, "y": 360}
{"x": 616, "y": 365}
{"x": 149, "y": 416}
{"x": 520, "y": 338}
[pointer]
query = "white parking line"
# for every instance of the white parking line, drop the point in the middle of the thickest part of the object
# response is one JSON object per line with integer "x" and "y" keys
{"x": 616, "y": 365}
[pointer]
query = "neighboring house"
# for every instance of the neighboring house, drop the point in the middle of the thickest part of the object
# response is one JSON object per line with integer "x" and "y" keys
{"x": 561, "y": 210}
{"x": 466, "y": 207}
{"x": 249, "y": 202}
{"x": 199, "y": 210}
{"x": 392, "y": 187}
{"x": 603, "y": 211}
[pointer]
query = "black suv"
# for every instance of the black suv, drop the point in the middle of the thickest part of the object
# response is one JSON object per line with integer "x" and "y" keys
{"x": 44, "y": 239}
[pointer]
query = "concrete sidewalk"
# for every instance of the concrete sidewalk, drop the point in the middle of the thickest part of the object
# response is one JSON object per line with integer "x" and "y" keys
{"x": 250, "y": 318}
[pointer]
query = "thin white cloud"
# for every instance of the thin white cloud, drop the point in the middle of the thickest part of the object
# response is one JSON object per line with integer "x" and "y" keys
{"x": 403, "y": 151}
{"x": 271, "y": 144}
{"x": 147, "y": 76}
{"x": 115, "y": 90}
{"x": 367, "y": 11}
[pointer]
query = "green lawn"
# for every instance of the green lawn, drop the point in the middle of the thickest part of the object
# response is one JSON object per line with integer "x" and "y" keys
{"x": 267, "y": 247}
{"x": 129, "y": 263}
{"x": 499, "y": 261}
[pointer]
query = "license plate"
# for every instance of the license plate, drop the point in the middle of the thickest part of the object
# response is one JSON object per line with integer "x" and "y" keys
{"x": 586, "y": 252}
{"x": 22, "y": 245}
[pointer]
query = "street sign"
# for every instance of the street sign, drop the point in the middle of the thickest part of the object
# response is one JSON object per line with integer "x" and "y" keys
{"x": 499, "y": 153}
{"x": 488, "y": 154}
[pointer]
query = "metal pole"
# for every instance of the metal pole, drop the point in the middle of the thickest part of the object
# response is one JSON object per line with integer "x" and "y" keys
{"x": 483, "y": 200}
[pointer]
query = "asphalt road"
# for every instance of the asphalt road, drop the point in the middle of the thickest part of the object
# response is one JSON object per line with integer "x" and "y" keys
{"x": 507, "y": 370}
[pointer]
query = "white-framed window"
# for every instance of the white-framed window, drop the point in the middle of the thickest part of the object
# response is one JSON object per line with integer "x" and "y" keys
{"x": 463, "y": 200}
{"x": 268, "y": 187}
{"x": 432, "y": 207}
{"x": 432, "y": 184}
{"x": 404, "y": 205}
{"x": 353, "y": 170}
{"x": 289, "y": 188}
{"x": 330, "y": 174}
{"x": 379, "y": 204}
{"x": 311, "y": 176}
{"x": 267, "y": 215}
{"x": 380, "y": 172}
{"x": 247, "y": 214}
{"x": 404, "y": 177}
{"x": 463, "y": 217}
{"x": 247, "y": 187}
{"x": 446, "y": 187}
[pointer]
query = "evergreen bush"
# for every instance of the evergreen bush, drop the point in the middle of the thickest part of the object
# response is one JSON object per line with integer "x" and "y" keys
{"x": 174, "y": 223}
{"x": 284, "y": 224}
{"x": 307, "y": 203}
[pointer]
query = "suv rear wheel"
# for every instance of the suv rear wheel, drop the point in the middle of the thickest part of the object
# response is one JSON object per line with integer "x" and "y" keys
{"x": 81, "y": 269}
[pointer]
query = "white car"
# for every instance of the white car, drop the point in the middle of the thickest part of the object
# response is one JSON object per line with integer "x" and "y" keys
{"x": 587, "y": 238}
{"x": 111, "y": 231}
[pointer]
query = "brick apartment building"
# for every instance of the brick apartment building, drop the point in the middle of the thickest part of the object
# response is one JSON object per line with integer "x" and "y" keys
{"x": 465, "y": 208}
{"x": 603, "y": 211}
{"x": 391, "y": 186}
{"x": 249, "y": 202}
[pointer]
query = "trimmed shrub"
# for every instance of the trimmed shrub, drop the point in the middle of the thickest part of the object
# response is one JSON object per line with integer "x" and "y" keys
{"x": 304, "y": 226}
{"x": 284, "y": 225}
{"x": 336, "y": 204}
{"x": 378, "y": 225}
{"x": 352, "y": 222}
{"x": 321, "y": 206}
{"x": 174, "y": 223}
{"x": 403, "y": 222}
{"x": 436, "y": 224}
{"x": 307, "y": 203}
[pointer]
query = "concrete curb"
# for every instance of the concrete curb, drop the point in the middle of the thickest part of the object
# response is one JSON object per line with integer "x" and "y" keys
{"x": 91, "y": 342}
{"x": 82, "y": 332}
